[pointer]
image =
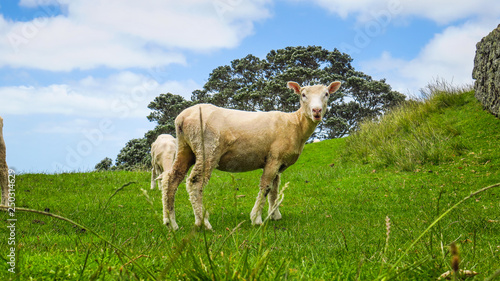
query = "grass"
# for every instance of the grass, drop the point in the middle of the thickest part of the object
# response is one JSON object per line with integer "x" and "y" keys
{"x": 351, "y": 212}
{"x": 417, "y": 132}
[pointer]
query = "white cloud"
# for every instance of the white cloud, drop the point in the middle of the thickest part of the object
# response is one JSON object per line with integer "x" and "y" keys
{"x": 122, "y": 95}
{"x": 35, "y": 3}
{"x": 126, "y": 33}
{"x": 449, "y": 56}
{"x": 440, "y": 11}
{"x": 65, "y": 127}
{"x": 447, "y": 11}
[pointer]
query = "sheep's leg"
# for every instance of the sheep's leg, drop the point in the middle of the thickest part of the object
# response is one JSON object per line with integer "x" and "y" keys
{"x": 153, "y": 178}
{"x": 194, "y": 185}
{"x": 273, "y": 195}
{"x": 169, "y": 188}
{"x": 268, "y": 176}
{"x": 170, "y": 185}
{"x": 156, "y": 176}
{"x": 159, "y": 181}
{"x": 163, "y": 177}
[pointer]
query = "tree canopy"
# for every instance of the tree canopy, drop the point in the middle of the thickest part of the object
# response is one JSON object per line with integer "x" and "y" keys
{"x": 134, "y": 155}
{"x": 259, "y": 84}
{"x": 104, "y": 165}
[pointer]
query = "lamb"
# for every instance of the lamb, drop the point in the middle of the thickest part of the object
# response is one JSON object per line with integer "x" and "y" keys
{"x": 4, "y": 170}
{"x": 162, "y": 157}
{"x": 211, "y": 137}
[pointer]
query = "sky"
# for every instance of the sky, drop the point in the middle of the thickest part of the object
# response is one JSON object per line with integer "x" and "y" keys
{"x": 76, "y": 76}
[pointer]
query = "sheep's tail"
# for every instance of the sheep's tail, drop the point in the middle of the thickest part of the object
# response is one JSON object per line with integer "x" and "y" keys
{"x": 179, "y": 126}
{"x": 153, "y": 159}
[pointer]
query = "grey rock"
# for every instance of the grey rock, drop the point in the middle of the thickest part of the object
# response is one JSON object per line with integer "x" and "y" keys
{"x": 487, "y": 72}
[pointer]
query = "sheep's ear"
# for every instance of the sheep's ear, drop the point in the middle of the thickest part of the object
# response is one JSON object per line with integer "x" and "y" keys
{"x": 294, "y": 86}
{"x": 334, "y": 86}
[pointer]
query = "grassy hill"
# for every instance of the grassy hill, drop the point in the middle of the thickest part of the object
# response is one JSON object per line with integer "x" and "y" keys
{"x": 354, "y": 209}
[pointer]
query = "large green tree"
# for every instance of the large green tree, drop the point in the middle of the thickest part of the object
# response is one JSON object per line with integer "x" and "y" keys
{"x": 135, "y": 155}
{"x": 259, "y": 84}
{"x": 165, "y": 108}
{"x": 254, "y": 84}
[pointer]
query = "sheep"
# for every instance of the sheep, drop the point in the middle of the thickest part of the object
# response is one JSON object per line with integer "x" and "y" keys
{"x": 4, "y": 170}
{"x": 210, "y": 137}
{"x": 162, "y": 157}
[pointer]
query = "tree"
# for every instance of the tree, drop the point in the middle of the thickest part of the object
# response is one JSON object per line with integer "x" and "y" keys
{"x": 104, "y": 165}
{"x": 254, "y": 84}
{"x": 366, "y": 99}
{"x": 165, "y": 108}
{"x": 135, "y": 155}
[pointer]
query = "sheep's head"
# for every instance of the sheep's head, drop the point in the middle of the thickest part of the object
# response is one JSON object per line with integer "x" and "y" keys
{"x": 314, "y": 99}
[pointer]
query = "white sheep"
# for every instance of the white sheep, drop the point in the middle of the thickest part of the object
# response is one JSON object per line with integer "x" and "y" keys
{"x": 162, "y": 158}
{"x": 4, "y": 170}
{"x": 211, "y": 137}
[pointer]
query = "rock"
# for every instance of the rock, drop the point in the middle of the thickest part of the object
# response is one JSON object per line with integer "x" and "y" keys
{"x": 487, "y": 72}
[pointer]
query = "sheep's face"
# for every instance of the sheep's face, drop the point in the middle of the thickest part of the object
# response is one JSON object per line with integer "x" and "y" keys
{"x": 314, "y": 99}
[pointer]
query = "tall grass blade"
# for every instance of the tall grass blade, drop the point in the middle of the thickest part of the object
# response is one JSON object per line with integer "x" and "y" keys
{"x": 84, "y": 264}
{"x": 492, "y": 277}
{"x": 116, "y": 191}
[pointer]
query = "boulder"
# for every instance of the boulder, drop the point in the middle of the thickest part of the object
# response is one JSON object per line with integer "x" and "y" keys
{"x": 487, "y": 72}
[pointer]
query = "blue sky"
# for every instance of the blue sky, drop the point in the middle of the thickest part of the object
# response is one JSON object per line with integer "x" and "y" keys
{"x": 76, "y": 76}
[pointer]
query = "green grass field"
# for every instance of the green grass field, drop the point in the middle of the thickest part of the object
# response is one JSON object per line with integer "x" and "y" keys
{"x": 353, "y": 210}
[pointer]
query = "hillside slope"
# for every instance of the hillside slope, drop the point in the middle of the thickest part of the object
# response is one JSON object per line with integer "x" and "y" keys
{"x": 437, "y": 130}
{"x": 349, "y": 213}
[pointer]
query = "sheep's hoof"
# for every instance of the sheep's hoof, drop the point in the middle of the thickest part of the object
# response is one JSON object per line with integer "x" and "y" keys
{"x": 257, "y": 220}
{"x": 170, "y": 224}
{"x": 208, "y": 226}
{"x": 276, "y": 216}
{"x": 174, "y": 226}
{"x": 205, "y": 224}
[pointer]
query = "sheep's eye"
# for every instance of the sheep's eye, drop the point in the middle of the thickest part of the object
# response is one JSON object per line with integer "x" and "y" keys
{"x": 326, "y": 95}
{"x": 303, "y": 95}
